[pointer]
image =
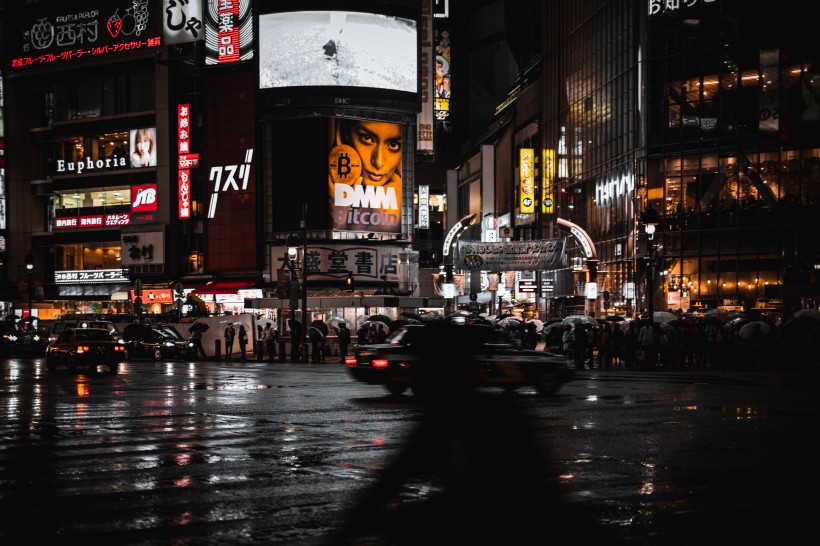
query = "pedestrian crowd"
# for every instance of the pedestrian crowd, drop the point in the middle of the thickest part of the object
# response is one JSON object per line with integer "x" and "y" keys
{"x": 685, "y": 343}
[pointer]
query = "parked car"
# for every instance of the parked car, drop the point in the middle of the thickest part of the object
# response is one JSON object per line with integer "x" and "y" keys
{"x": 157, "y": 342}
{"x": 89, "y": 347}
{"x": 494, "y": 361}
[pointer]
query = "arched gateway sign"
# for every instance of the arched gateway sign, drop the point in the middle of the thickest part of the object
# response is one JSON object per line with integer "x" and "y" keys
{"x": 513, "y": 256}
{"x": 538, "y": 255}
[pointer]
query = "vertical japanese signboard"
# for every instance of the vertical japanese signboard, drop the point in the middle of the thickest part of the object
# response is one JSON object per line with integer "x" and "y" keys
{"x": 424, "y": 207}
{"x": 228, "y": 31}
{"x": 424, "y": 119}
{"x": 548, "y": 182}
{"x": 526, "y": 175}
{"x": 185, "y": 161}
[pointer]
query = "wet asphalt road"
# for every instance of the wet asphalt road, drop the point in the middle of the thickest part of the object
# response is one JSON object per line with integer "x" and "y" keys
{"x": 256, "y": 453}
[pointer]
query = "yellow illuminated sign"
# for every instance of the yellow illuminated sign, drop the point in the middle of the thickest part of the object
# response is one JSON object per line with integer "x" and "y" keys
{"x": 527, "y": 177}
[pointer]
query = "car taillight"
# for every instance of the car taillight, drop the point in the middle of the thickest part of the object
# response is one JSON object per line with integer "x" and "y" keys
{"x": 350, "y": 361}
{"x": 119, "y": 348}
{"x": 379, "y": 363}
{"x": 82, "y": 348}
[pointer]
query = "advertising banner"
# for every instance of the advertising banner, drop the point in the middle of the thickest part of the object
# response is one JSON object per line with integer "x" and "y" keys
{"x": 513, "y": 256}
{"x": 424, "y": 120}
{"x": 56, "y": 33}
{"x": 364, "y": 176}
{"x": 143, "y": 147}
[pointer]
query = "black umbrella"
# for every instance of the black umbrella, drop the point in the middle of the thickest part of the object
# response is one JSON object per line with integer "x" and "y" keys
{"x": 321, "y": 326}
{"x": 380, "y": 318}
{"x": 201, "y": 326}
{"x": 412, "y": 316}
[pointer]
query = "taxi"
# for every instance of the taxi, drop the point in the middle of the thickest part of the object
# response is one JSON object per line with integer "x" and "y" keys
{"x": 493, "y": 360}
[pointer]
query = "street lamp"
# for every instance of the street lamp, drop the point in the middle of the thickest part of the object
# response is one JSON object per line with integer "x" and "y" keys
{"x": 650, "y": 219}
{"x": 30, "y": 270}
{"x": 291, "y": 254}
{"x": 449, "y": 245}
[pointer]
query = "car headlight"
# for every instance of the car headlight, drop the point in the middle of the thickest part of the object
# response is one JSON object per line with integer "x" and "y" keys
{"x": 169, "y": 343}
{"x": 36, "y": 337}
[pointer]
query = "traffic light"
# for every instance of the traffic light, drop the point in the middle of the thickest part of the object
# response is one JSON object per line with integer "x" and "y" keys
{"x": 349, "y": 282}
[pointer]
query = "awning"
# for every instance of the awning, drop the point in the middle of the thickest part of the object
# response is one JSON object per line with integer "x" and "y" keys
{"x": 223, "y": 287}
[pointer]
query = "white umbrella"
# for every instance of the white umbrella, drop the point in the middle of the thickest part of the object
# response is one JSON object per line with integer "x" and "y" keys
{"x": 263, "y": 322}
{"x": 813, "y": 313}
{"x": 579, "y": 319}
{"x": 335, "y": 322}
{"x": 662, "y": 317}
{"x": 539, "y": 324}
{"x": 748, "y": 330}
{"x": 510, "y": 321}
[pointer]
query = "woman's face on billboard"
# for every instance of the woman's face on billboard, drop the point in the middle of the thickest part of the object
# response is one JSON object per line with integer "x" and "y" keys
{"x": 379, "y": 146}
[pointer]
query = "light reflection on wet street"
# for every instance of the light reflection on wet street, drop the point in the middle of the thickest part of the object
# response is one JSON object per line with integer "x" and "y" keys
{"x": 208, "y": 453}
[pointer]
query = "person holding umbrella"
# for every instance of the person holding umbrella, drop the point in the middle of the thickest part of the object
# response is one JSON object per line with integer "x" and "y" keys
{"x": 316, "y": 342}
{"x": 344, "y": 339}
{"x": 196, "y": 337}
{"x": 230, "y": 334}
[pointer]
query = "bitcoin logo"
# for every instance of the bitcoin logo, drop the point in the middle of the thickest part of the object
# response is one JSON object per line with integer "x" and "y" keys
{"x": 344, "y": 165}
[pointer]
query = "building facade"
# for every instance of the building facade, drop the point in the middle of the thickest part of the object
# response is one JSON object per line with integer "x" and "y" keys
{"x": 700, "y": 111}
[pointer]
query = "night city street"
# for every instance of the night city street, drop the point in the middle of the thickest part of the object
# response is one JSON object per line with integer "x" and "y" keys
{"x": 244, "y": 453}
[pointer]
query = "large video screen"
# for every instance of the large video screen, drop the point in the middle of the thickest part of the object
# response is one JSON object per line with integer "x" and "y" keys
{"x": 309, "y": 55}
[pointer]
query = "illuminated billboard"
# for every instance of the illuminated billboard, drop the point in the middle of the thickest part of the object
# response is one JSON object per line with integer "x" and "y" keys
{"x": 143, "y": 147}
{"x": 56, "y": 33}
{"x": 364, "y": 175}
{"x": 228, "y": 31}
{"x": 357, "y": 53}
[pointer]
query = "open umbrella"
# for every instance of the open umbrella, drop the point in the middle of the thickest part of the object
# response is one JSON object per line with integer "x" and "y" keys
{"x": 315, "y": 329}
{"x": 383, "y": 326}
{"x": 320, "y": 325}
{"x": 201, "y": 326}
{"x": 579, "y": 319}
{"x": 614, "y": 318}
{"x": 748, "y": 330}
{"x": 813, "y": 313}
{"x": 539, "y": 324}
{"x": 264, "y": 322}
{"x": 380, "y": 318}
{"x": 412, "y": 316}
{"x": 335, "y": 322}
{"x": 662, "y": 317}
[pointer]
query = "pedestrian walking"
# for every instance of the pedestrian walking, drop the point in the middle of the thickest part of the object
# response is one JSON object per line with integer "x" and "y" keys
{"x": 243, "y": 342}
{"x": 271, "y": 337}
{"x": 316, "y": 342}
{"x": 230, "y": 334}
{"x": 344, "y": 339}
{"x": 196, "y": 339}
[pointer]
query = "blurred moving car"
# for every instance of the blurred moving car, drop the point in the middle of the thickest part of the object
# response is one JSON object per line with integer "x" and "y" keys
{"x": 157, "y": 342}
{"x": 8, "y": 338}
{"x": 61, "y": 325}
{"x": 88, "y": 347}
{"x": 494, "y": 361}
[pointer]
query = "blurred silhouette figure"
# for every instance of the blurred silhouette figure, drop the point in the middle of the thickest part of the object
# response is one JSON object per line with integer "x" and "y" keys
{"x": 490, "y": 479}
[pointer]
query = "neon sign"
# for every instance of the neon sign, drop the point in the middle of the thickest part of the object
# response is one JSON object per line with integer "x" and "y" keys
{"x": 235, "y": 173}
{"x": 60, "y": 35}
